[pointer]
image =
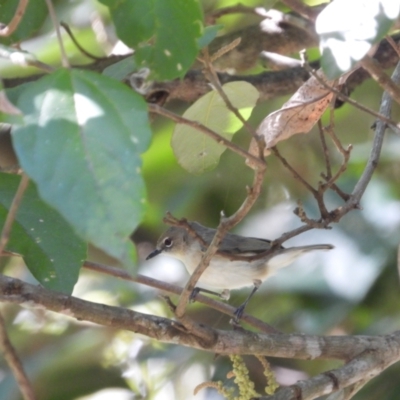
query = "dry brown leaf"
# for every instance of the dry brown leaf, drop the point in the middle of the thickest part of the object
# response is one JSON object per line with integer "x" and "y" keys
{"x": 298, "y": 115}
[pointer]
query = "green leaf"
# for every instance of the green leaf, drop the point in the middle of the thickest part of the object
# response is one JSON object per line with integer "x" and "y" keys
{"x": 81, "y": 144}
{"x": 121, "y": 69}
{"x": 195, "y": 151}
{"x": 33, "y": 19}
{"x": 209, "y": 34}
{"x": 349, "y": 29}
{"x": 164, "y": 33}
{"x": 50, "y": 248}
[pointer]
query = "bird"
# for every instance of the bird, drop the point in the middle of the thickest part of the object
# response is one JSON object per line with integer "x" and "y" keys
{"x": 239, "y": 261}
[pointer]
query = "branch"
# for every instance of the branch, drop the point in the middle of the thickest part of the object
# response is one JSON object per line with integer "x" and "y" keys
{"x": 16, "y": 19}
{"x": 377, "y": 73}
{"x": 15, "y": 364}
{"x": 362, "y": 368}
{"x": 305, "y": 347}
{"x": 271, "y": 84}
{"x": 5, "y": 234}
{"x": 359, "y": 189}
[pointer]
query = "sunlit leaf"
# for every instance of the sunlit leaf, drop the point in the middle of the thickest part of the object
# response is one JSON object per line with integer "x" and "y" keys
{"x": 195, "y": 151}
{"x": 81, "y": 143}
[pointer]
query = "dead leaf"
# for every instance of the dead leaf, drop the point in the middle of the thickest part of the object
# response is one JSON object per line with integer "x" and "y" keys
{"x": 298, "y": 115}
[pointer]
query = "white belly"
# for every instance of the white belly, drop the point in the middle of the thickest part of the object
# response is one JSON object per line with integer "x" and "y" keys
{"x": 225, "y": 274}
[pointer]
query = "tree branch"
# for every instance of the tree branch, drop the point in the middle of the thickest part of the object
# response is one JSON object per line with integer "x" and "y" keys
{"x": 305, "y": 347}
{"x": 16, "y": 19}
{"x": 5, "y": 233}
{"x": 15, "y": 364}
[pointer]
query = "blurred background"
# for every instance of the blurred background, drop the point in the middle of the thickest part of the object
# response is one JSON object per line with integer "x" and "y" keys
{"x": 352, "y": 290}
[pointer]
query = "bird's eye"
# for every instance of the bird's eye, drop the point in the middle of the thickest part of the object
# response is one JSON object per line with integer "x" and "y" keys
{"x": 167, "y": 242}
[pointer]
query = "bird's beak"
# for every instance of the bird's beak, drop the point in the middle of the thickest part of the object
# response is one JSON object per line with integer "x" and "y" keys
{"x": 154, "y": 253}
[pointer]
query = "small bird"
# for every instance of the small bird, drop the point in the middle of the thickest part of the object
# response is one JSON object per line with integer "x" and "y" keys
{"x": 240, "y": 261}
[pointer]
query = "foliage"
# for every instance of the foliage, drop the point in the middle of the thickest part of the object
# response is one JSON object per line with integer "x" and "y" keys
{"x": 101, "y": 167}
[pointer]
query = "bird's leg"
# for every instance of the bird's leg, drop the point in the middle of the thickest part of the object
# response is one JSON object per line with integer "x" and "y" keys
{"x": 240, "y": 310}
{"x": 224, "y": 295}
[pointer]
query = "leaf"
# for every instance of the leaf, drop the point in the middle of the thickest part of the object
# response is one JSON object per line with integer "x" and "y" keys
{"x": 121, "y": 69}
{"x": 195, "y": 151}
{"x": 81, "y": 143}
{"x": 209, "y": 34}
{"x": 164, "y": 33}
{"x": 33, "y": 19}
{"x": 348, "y": 29}
{"x": 298, "y": 115}
{"x": 50, "y": 248}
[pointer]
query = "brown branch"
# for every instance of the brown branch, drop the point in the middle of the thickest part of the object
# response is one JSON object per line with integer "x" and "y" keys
{"x": 352, "y": 201}
{"x": 202, "y": 128}
{"x": 384, "y": 81}
{"x": 15, "y": 364}
{"x": 393, "y": 124}
{"x": 294, "y": 173}
{"x": 16, "y": 19}
{"x": 77, "y": 44}
{"x": 271, "y": 84}
{"x": 298, "y": 346}
{"x": 325, "y": 150}
{"x": 359, "y": 189}
{"x": 393, "y": 44}
{"x": 362, "y": 368}
{"x": 5, "y": 234}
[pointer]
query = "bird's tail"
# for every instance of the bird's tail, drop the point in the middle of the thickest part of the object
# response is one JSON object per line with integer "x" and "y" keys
{"x": 287, "y": 256}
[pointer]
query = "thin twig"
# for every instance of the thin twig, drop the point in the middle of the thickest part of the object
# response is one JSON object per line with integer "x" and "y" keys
{"x": 324, "y": 149}
{"x": 225, "y": 49}
{"x": 5, "y": 233}
{"x": 53, "y": 16}
{"x": 393, "y": 124}
{"x": 385, "y": 110}
{"x": 76, "y": 43}
{"x": 215, "y": 82}
{"x": 384, "y": 81}
{"x": 16, "y": 19}
{"x": 202, "y": 128}
{"x": 393, "y": 44}
{"x": 316, "y": 193}
{"x": 15, "y": 364}
{"x": 294, "y": 173}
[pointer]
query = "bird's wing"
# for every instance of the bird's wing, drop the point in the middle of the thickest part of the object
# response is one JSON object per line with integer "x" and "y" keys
{"x": 233, "y": 244}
